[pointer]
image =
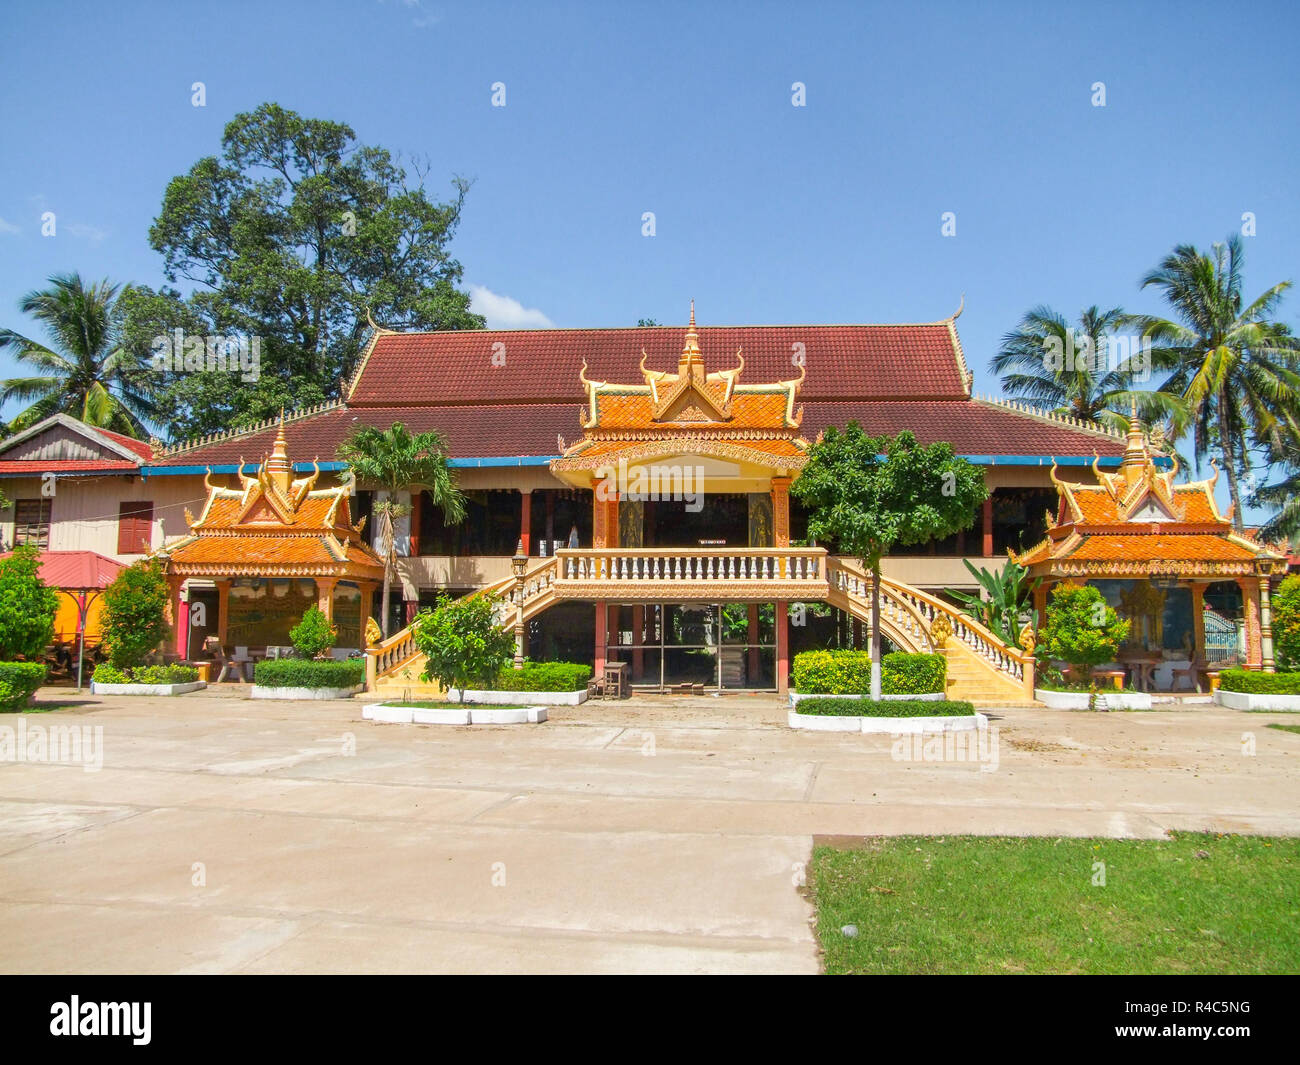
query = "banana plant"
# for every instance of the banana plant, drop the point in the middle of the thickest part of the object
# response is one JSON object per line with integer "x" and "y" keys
{"x": 1007, "y": 599}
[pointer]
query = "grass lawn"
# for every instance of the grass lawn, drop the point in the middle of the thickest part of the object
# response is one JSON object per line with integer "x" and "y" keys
{"x": 976, "y": 904}
{"x": 1285, "y": 728}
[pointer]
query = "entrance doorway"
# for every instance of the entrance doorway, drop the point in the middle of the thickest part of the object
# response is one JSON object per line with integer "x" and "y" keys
{"x": 720, "y": 646}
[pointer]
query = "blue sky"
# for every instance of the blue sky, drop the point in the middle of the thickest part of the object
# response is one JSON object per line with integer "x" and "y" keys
{"x": 765, "y": 212}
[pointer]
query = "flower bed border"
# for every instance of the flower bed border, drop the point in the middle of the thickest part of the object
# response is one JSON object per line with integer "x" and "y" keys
{"x": 488, "y": 696}
{"x": 1256, "y": 701}
{"x": 264, "y": 691}
{"x": 399, "y": 714}
{"x": 926, "y": 697}
{"x": 1115, "y": 700}
{"x": 98, "y": 688}
{"x": 830, "y": 723}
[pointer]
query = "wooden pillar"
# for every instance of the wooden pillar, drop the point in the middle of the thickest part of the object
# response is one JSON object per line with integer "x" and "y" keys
{"x": 780, "y": 511}
{"x": 782, "y": 648}
{"x": 988, "y": 526}
{"x": 526, "y": 519}
{"x": 1198, "y": 623}
{"x": 416, "y": 496}
{"x": 1250, "y": 613}
{"x": 223, "y": 611}
{"x": 602, "y": 636}
{"x": 1265, "y": 625}
{"x": 325, "y": 596}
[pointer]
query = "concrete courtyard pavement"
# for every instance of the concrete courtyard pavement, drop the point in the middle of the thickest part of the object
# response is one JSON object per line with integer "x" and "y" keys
{"x": 655, "y": 835}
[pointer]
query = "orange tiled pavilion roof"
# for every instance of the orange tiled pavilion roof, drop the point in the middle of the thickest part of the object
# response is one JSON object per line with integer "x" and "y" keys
{"x": 1137, "y": 523}
{"x": 692, "y": 412}
{"x": 274, "y": 525}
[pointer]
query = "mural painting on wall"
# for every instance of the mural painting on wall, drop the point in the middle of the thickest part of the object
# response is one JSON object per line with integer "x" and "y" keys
{"x": 760, "y": 519}
{"x": 631, "y": 523}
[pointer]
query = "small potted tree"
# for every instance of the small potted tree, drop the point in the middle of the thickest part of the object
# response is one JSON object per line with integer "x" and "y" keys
{"x": 134, "y": 623}
{"x": 310, "y": 673}
{"x": 1083, "y": 631}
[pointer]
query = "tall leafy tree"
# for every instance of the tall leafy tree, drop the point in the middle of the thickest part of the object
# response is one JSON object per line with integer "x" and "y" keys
{"x": 394, "y": 460}
{"x": 294, "y": 234}
{"x": 1233, "y": 367}
{"x": 868, "y": 494}
{"x": 84, "y": 371}
{"x": 1066, "y": 367}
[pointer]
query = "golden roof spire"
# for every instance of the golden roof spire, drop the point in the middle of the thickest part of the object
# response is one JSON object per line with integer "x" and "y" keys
{"x": 1136, "y": 456}
{"x": 691, "y": 361}
{"x": 278, "y": 467}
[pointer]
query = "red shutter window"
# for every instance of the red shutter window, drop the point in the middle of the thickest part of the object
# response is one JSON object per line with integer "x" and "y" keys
{"x": 134, "y": 528}
{"x": 32, "y": 523}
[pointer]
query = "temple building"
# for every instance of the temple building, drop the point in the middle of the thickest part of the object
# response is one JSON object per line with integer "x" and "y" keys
{"x": 1155, "y": 549}
{"x": 626, "y": 489}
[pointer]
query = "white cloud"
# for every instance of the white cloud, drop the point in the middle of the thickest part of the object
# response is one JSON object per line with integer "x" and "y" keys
{"x": 502, "y": 312}
{"x": 82, "y": 231}
{"x": 8, "y": 227}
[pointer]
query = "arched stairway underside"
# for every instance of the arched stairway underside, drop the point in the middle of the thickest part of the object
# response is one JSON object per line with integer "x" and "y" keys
{"x": 980, "y": 666}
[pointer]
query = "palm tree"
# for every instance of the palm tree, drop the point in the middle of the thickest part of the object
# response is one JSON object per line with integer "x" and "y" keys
{"x": 1067, "y": 369}
{"x": 86, "y": 373}
{"x": 393, "y": 460}
{"x": 1233, "y": 369}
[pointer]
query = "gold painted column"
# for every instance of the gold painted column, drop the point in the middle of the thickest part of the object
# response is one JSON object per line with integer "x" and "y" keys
{"x": 1198, "y": 624}
{"x": 325, "y": 596}
{"x": 1250, "y": 614}
{"x": 223, "y": 611}
{"x": 781, "y": 511}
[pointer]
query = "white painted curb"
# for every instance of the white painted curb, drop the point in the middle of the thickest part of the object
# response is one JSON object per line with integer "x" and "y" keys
{"x": 1113, "y": 700}
{"x": 145, "y": 689}
{"x": 262, "y": 691}
{"x": 1256, "y": 701}
{"x": 926, "y": 697}
{"x": 826, "y": 723}
{"x": 482, "y": 695}
{"x": 471, "y": 715}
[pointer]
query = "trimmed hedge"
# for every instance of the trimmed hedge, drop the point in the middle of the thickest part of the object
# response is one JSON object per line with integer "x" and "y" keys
{"x": 1253, "y": 683}
{"x": 544, "y": 677}
{"x": 18, "y": 682}
{"x": 849, "y": 673}
{"x": 176, "y": 673}
{"x": 912, "y": 674}
{"x": 892, "y": 708}
{"x": 309, "y": 673}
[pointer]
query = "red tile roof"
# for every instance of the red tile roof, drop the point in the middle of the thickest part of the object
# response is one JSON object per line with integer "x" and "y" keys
{"x": 35, "y": 467}
{"x": 531, "y": 430}
{"x": 843, "y": 361}
{"x": 76, "y": 569}
{"x": 140, "y": 447}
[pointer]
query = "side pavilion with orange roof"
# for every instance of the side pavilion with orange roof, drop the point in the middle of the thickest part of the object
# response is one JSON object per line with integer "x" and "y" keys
{"x": 273, "y": 547}
{"x": 1136, "y": 525}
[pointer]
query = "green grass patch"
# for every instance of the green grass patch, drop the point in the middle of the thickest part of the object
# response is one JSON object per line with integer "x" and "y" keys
{"x": 1286, "y": 728}
{"x": 1196, "y": 903}
{"x": 884, "y": 708}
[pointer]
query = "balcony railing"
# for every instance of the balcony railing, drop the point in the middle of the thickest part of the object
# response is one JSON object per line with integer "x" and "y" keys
{"x": 678, "y": 570}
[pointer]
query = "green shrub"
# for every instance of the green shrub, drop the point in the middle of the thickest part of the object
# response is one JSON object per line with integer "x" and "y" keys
{"x": 902, "y": 673}
{"x": 885, "y": 708}
{"x": 1081, "y": 629}
{"x": 106, "y": 673}
{"x": 832, "y": 672}
{"x": 849, "y": 673}
{"x": 134, "y": 620}
{"x": 544, "y": 677}
{"x": 1253, "y": 683}
{"x": 462, "y": 643}
{"x": 314, "y": 634}
{"x": 18, "y": 681}
{"x": 309, "y": 673}
{"x": 27, "y": 606}
{"x": 1286, "y": 623}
